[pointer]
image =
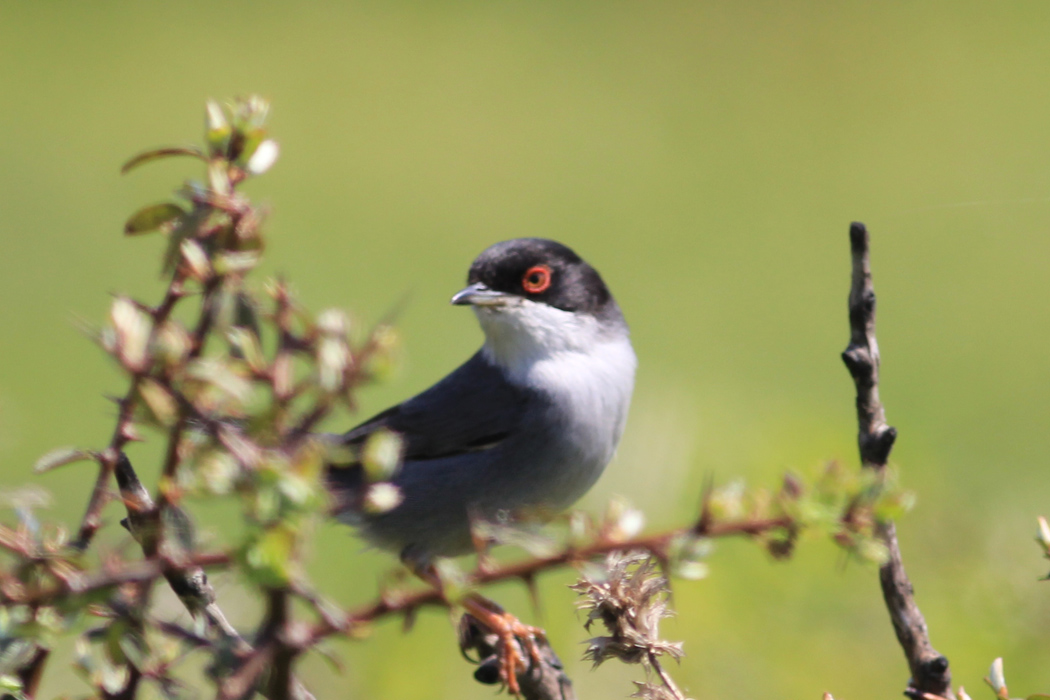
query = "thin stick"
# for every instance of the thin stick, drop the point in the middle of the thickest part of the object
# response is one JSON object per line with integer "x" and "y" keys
{"x": 665, "y": 677}
{"x": 32, "y": 672}
{"x": 92, "y": 519}
{"x": 929, "y": 668}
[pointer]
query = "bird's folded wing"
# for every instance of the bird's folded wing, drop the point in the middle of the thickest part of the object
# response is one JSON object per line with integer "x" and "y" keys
{"x": 474, "y": 408}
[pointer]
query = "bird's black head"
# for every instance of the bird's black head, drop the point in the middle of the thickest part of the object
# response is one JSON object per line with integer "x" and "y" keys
{"x": 539, "y": 270}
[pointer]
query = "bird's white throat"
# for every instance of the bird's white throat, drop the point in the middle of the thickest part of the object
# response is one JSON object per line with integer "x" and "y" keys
{"x": 518, "y": 335}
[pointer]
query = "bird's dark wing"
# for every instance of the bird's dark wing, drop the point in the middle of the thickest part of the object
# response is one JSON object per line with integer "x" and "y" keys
{"x": 472, "y": 409}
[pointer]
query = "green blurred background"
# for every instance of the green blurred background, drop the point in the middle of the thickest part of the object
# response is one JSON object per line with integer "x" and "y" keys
{"x": 708, "y": 159}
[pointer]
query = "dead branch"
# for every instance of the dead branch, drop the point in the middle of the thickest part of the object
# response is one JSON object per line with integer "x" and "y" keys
{"x": 929, "y": 669}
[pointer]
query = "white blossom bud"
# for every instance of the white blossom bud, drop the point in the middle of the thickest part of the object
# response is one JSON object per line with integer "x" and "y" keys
{"x": 263, "y": 158}
{"x": 996, "y": 678}
{"x": 1044, "y": 532}
{"x": 382, "y": 497}
{"x": 133, "y": 329}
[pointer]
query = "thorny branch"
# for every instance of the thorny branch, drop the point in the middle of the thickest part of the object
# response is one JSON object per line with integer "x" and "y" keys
{"x": 219, "y": 224}
{"x": 548, "y": 681}
{"x": 929, "y": 669}
{"x": 190, "y": 584}
{"x": 658, "y": 545}
{"x": 124, "y": 431}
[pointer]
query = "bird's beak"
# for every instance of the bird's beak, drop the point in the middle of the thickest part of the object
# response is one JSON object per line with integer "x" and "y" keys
{"x": 478, "y": 294}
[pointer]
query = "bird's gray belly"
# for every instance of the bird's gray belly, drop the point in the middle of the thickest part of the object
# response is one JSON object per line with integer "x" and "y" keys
{"x": 529, "y": 472}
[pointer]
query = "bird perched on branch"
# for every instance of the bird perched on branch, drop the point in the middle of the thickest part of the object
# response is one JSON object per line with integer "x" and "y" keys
{"x": 528, "y": 423}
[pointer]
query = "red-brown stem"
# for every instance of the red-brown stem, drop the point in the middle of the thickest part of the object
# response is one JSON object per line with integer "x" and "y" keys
{"x": 281, "y": 681}
{"x": 134, "y": 572}
{"x": 92, "y": 519}
{"x": 31, "y": 673}
{"x": 657, "y": 544}
{"x": 198, "y": 338}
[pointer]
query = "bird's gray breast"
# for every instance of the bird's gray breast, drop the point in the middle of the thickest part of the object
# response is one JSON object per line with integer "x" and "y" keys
{"x": 485, "y": 442}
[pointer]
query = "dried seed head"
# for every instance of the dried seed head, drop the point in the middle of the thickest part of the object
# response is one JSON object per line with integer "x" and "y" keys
{"x": 629, "y": 599}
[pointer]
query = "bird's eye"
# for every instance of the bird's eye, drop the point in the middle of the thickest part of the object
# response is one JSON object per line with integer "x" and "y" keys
{"x": 537, "y": 279}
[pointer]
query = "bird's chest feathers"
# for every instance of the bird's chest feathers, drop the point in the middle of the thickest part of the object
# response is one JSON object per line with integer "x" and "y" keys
{"x": 586, "y": 371}
{"x": 591, "y": 394}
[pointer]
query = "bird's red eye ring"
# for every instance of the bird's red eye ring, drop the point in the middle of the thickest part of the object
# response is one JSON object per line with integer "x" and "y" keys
{"x": 537, "y": 279}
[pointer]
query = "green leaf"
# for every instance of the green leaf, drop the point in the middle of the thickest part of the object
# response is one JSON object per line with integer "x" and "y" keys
{"x": 161, "y": 403}
{"x": 223, "y": 376}
{"x": 217, "y": 128}
{"x": 381, "y": 455}
{"x": 251, "y": 138}
{"x": 231, "y": 261}
{"x": 159, "y": 153}
{"x": 245, "y": 344}
{"x": 59, "y": 457}
{"x": 11, "y": 684}
{"x": 270, "y": 559}
{"x": 152, "y": 218}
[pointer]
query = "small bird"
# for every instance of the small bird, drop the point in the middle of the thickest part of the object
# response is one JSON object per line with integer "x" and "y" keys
{"x": 526, "y": 424}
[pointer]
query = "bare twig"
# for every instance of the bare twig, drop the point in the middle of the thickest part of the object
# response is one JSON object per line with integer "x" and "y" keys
{"x": 929, "y": 668}
{"x": 31, "y": 673}
{"x": 200, "y": 334}
{"x": 665, "y": 677}
{"x": 280, "y": 683}
{"x": 122, "y": 433}
{"x": 134, "y": 572}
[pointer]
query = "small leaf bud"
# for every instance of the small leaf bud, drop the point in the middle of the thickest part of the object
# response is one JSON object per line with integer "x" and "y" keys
{"x": 160, "y": 402}
{"x": 217, "y": 128}
{"x": 997, "y": 679}
{"x": 196, "y": 260}
{"x": 263, "y": 158}
{"x": 133, "y": 330}
{"x": 381, "y": 455}
{"x": 382, "y": 497}
{"x": 1044, "y": 533}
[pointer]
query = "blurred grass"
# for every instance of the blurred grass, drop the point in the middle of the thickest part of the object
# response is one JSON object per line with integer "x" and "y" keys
{"x": 707, "y": 158}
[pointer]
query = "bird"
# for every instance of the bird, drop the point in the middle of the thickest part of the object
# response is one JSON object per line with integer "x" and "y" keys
{"x": 526, "y": 425}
